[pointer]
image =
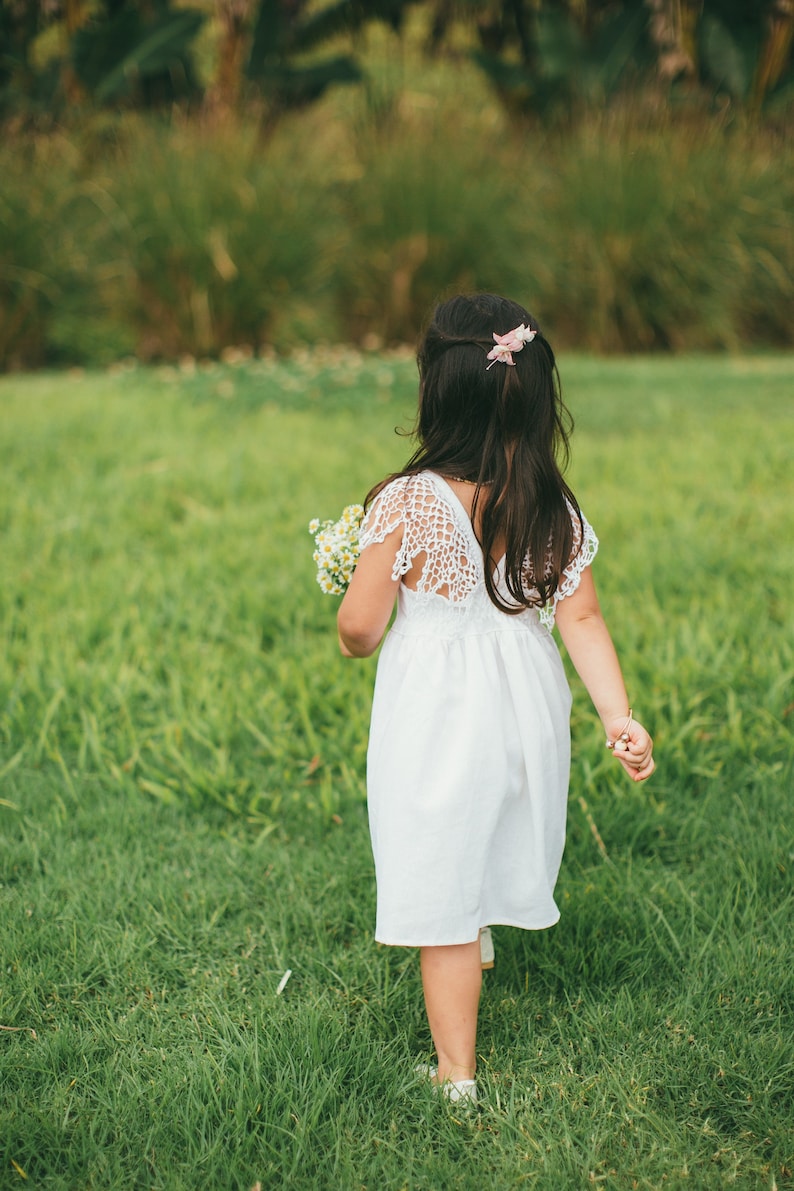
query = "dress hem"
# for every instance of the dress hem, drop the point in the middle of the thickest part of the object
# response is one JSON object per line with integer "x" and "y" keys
{"x": 447, "y": 942}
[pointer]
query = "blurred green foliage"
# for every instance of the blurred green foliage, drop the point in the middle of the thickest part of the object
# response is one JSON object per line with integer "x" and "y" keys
{"x": 259, "y": 206}
{"x": 543, "y": 58}
{"x": 186, "y": 240}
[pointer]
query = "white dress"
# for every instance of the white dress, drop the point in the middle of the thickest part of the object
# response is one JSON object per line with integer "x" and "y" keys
{"x": 469, "y": 747}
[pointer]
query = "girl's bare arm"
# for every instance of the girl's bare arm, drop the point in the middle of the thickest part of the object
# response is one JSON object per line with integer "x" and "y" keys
{"x": 589, "y": 645}
{"x": 367, "y": 604}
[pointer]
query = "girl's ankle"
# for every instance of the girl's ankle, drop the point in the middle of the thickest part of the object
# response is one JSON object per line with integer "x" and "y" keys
{"x": 453, "y": 1072}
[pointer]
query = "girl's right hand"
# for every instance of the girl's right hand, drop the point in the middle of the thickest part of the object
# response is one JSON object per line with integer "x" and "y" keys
{"x": 635, "y": 753}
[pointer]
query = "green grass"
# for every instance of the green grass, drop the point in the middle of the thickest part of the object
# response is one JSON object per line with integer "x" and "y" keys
{"x": 181, "y": 801}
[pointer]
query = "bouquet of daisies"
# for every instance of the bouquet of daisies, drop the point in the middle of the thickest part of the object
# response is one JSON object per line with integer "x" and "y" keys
{"x": 337, "y": 549}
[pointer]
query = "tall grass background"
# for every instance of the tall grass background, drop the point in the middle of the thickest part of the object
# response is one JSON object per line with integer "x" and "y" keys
{"x": 181, "y": 793}
{"x": 630, "y": 231}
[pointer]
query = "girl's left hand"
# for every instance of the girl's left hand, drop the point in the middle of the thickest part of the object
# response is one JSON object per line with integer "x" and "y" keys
{"x": 633, "y": 747}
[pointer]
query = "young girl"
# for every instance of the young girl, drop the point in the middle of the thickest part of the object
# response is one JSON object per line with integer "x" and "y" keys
{"x": 483, "y": 545}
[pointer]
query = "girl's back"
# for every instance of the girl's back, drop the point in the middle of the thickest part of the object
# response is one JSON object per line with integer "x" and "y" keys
{"x": 440, "y": 557}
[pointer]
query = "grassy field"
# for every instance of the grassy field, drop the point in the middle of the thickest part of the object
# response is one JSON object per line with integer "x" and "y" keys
{"x": 181, "y": 800}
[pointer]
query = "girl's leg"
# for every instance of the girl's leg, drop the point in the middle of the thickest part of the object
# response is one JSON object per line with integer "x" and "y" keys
{"x": 452, "y": 979}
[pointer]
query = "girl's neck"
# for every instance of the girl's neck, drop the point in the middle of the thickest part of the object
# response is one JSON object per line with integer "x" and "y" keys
{"x": 460, "y": 480}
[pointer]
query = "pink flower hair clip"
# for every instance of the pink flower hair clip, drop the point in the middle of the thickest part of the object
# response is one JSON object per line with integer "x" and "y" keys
{"x": 513, "y": 341}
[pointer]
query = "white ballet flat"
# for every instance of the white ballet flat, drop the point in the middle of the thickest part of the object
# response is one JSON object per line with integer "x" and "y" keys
{"x": 460, "y": 1091}
{"x": 456, "y": 1091}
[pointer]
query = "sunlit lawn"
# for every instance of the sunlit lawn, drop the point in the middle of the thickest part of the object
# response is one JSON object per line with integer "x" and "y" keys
{"x": 181, "y": 798}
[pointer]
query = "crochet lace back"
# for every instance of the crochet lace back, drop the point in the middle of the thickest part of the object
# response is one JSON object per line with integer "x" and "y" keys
{"x": 439, "y": 538}
{"x": 433, "y": 536}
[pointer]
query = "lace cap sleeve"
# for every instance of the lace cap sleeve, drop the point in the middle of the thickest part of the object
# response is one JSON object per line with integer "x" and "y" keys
{"x": 387, "y": 513}
{"x": 585, "y": 547}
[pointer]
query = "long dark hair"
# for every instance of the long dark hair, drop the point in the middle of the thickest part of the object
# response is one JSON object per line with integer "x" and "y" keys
{"x": 503, "y": 428}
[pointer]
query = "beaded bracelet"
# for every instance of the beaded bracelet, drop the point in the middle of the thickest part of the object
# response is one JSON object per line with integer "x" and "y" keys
{"x": 623, "y": 735}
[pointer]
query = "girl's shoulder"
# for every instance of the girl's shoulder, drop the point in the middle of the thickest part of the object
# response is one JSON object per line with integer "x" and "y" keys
{"x": 397, "y": 501}
{"x": 405, "y": 491}
{"x": 584, "y": 537}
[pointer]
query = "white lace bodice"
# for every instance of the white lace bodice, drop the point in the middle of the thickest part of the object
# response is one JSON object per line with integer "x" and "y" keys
{"x": 437, "y": 528}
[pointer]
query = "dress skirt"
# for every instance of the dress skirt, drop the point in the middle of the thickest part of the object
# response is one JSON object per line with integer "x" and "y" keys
{"x": 467, "y": 772}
